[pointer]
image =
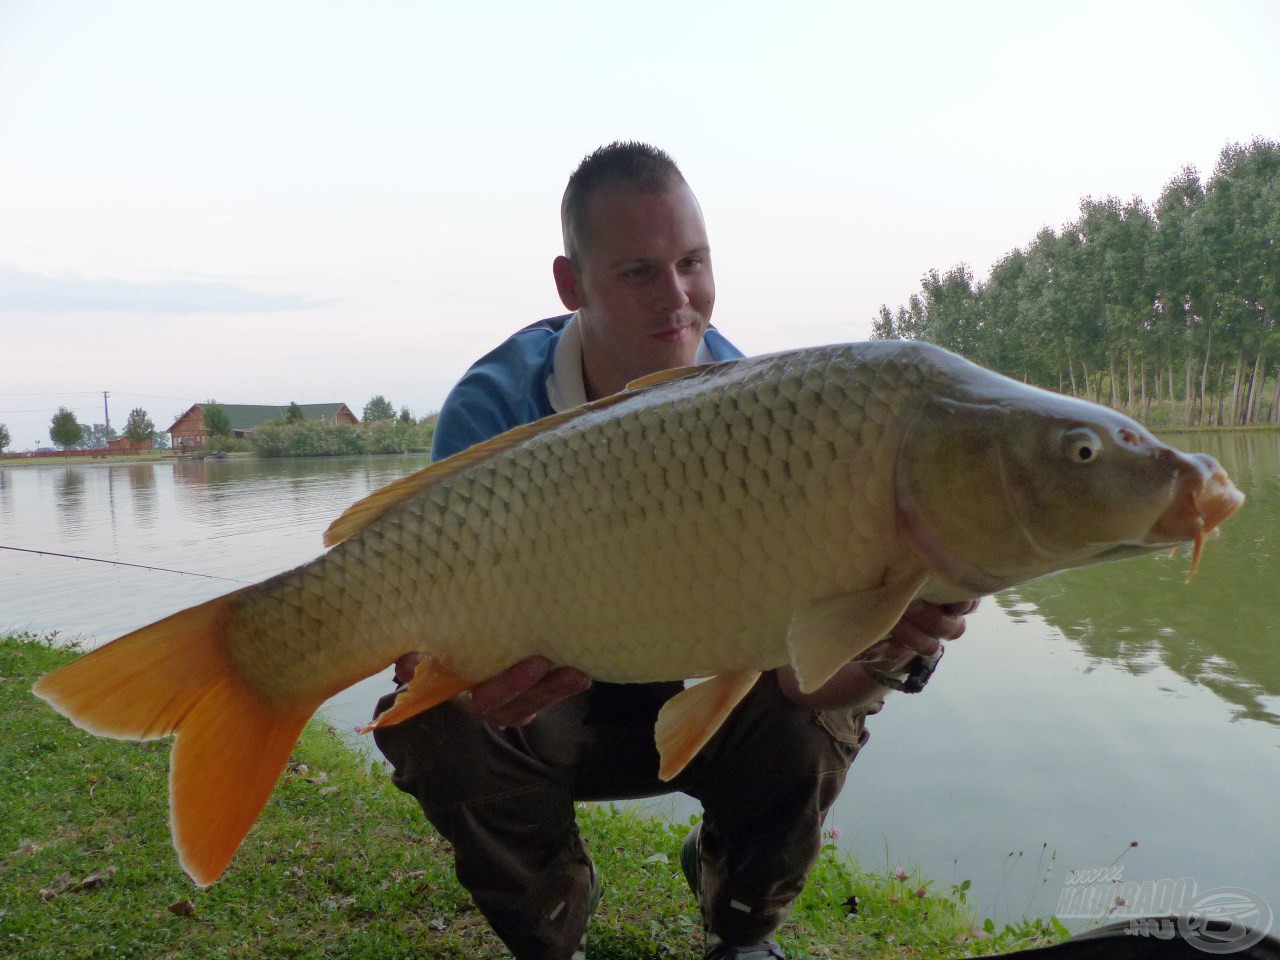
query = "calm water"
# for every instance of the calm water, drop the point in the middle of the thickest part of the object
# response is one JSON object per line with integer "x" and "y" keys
{"x": 1078, "y": 714}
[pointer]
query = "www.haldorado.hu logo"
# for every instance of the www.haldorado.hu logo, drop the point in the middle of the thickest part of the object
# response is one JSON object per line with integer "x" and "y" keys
{"x": 1220, "y": 920}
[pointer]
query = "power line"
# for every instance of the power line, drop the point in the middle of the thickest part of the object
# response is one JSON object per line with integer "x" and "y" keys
{"x": 46, "y": 410}
{"x": 60, "y": 393}
{"x": 90, "y": 393}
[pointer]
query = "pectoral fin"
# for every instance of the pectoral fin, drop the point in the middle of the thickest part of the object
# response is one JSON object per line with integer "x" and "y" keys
{"x": 430, "y": 685}
{"x": 825, "y": 635}
{"x": 689, "y": 719}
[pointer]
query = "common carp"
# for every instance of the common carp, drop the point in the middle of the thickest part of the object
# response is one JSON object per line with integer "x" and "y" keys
{"x": 713, "y": 522}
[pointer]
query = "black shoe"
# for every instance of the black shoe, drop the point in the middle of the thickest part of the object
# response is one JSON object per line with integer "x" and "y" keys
{"x": 716, "y": 948}
{"x": 768, "y": 950}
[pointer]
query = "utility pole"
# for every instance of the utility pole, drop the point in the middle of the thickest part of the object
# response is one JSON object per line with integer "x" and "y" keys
{"x": 106, "y": 415}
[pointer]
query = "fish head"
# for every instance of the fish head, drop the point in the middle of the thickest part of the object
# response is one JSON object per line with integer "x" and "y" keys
{"x": 1002, "y": 485}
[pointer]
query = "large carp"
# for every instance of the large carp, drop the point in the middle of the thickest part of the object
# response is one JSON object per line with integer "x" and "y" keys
{"x": 713, "y": 522}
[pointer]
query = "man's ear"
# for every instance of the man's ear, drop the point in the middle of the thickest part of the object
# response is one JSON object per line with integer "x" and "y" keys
{"x": 567, "y": 284}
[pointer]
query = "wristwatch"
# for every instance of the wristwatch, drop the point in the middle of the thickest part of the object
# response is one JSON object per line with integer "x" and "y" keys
{"x": 914, "y": 680}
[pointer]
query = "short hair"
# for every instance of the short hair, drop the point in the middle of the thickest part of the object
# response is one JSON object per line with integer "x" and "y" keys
{"x": 623, "y": 163}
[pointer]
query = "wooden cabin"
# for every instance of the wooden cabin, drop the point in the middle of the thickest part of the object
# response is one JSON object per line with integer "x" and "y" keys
{"x": 188, "y": 431}
{"x": 125, "y": 445}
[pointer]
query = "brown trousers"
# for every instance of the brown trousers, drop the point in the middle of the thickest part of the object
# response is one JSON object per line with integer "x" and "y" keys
{"x": 504, "y": 799}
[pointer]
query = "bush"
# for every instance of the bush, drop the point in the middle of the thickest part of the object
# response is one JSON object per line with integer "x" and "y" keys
{"x": 276, "y": 438}
{"x": 228, "y": 444}
{"x": 394, "y": 436}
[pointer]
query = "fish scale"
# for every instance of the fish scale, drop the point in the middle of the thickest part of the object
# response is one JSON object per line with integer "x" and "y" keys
{"x": 778, "y": 511}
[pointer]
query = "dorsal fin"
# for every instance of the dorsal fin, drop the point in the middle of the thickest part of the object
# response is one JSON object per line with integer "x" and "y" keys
{"x": 362, "y": 513}
{"x": 666, "y": 376}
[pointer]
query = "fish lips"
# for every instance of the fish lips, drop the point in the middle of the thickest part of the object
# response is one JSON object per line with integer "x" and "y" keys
{"x": 1203, "y": 498}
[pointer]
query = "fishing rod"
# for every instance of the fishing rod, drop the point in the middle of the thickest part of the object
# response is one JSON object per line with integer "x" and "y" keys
{"x": 122, "y": 563}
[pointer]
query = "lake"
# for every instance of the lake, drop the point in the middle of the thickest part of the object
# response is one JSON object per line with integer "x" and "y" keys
{"x": 1078, "y": 714}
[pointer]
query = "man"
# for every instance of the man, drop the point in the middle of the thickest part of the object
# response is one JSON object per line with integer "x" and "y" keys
{"x": 525, "y": 745}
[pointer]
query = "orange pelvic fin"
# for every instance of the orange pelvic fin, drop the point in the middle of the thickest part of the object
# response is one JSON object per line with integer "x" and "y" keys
{"x": 430, "y": 685}
{"x": 689, "y": 719}
{"x": 175, "y": 677}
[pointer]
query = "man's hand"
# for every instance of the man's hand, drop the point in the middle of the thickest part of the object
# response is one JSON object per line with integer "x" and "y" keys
{"x": 924, "y": 626}
{"x": 920, "y": 632}
{"x": 515, "y": 696}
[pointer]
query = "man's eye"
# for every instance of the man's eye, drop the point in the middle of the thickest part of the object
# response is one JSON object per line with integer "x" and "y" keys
{"x": 635, "y": 273}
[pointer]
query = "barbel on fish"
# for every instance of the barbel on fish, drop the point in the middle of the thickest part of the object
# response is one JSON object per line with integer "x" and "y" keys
{"x": 713, "y": 522}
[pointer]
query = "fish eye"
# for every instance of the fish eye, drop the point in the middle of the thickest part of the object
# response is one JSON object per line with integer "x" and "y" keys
{"x": 1081, "y": 445}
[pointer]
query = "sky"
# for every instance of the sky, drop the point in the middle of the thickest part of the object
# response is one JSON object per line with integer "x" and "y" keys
{"x": 265, "y": 202}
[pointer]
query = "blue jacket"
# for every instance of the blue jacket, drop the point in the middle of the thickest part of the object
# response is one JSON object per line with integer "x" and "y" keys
{"x": 508, "y": 386}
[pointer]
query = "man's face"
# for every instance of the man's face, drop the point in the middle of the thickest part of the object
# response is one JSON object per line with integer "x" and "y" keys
{"x": 642, "y": 284}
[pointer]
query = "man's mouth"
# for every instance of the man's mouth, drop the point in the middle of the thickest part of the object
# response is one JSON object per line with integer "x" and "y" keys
{"x": 674, "y": 335}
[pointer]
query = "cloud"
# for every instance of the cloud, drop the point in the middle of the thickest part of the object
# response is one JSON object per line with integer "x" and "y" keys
{"x": 22, "y": 292}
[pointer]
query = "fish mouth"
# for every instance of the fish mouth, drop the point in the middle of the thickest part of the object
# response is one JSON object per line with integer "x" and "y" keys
{"x": 1204, "y": 496}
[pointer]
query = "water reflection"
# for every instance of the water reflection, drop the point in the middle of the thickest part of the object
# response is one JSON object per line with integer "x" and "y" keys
{"x": 1218, "y": 630}
{"x": 190, "y": 471}
{"x": 140, "y": 480}
{"x": 69, "y": 491}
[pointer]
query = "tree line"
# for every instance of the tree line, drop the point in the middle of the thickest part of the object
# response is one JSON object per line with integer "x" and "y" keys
{"x": 1167, "y": 311}
{"x": 69, "y": 433}
{"x": 382, "y": 430}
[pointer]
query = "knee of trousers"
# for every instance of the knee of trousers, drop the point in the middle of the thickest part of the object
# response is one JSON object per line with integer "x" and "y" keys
{"x": 446, "y": 756}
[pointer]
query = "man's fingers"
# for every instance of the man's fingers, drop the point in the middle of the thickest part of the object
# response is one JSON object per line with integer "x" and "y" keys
{"x": 506, "y": 687}
{"x": 517, "y": 695}
{"x": 922, "y": 642}
{"x": 405, "y": 667}
{"x": 924, "y": 625}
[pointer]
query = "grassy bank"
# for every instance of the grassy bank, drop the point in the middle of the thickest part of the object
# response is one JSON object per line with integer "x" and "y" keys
{"x": 342, "y": 865}
{"x": 114, "y": 459}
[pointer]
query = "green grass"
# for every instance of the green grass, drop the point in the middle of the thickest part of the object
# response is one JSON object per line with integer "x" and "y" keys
{"x": 341, "y": 864}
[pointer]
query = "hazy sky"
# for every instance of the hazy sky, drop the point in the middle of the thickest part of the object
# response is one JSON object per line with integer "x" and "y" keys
{"x": 262, "y": 202}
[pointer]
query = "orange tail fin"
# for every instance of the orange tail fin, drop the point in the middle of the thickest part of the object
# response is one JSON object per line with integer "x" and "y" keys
{"x": 175, "y": 677}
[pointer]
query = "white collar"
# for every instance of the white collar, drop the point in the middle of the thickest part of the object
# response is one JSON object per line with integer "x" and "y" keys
{"x": 566, "y": 386}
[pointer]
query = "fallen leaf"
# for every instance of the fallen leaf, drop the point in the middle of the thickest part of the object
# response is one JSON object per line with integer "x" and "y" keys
{"x": 183, "y": 908}
{"x": 437, "y": 924}
{"x": 320, "y": 777}
{"x": 60, "y": 885}
{"x": 328, "y": 791}
{"x": 96, "y": 879}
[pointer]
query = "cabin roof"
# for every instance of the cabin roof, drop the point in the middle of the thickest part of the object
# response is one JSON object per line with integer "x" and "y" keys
{"x": 246, "y": 416}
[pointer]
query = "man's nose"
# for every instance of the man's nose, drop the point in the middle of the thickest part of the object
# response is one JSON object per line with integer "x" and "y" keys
{"x": 672, "y": 291}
